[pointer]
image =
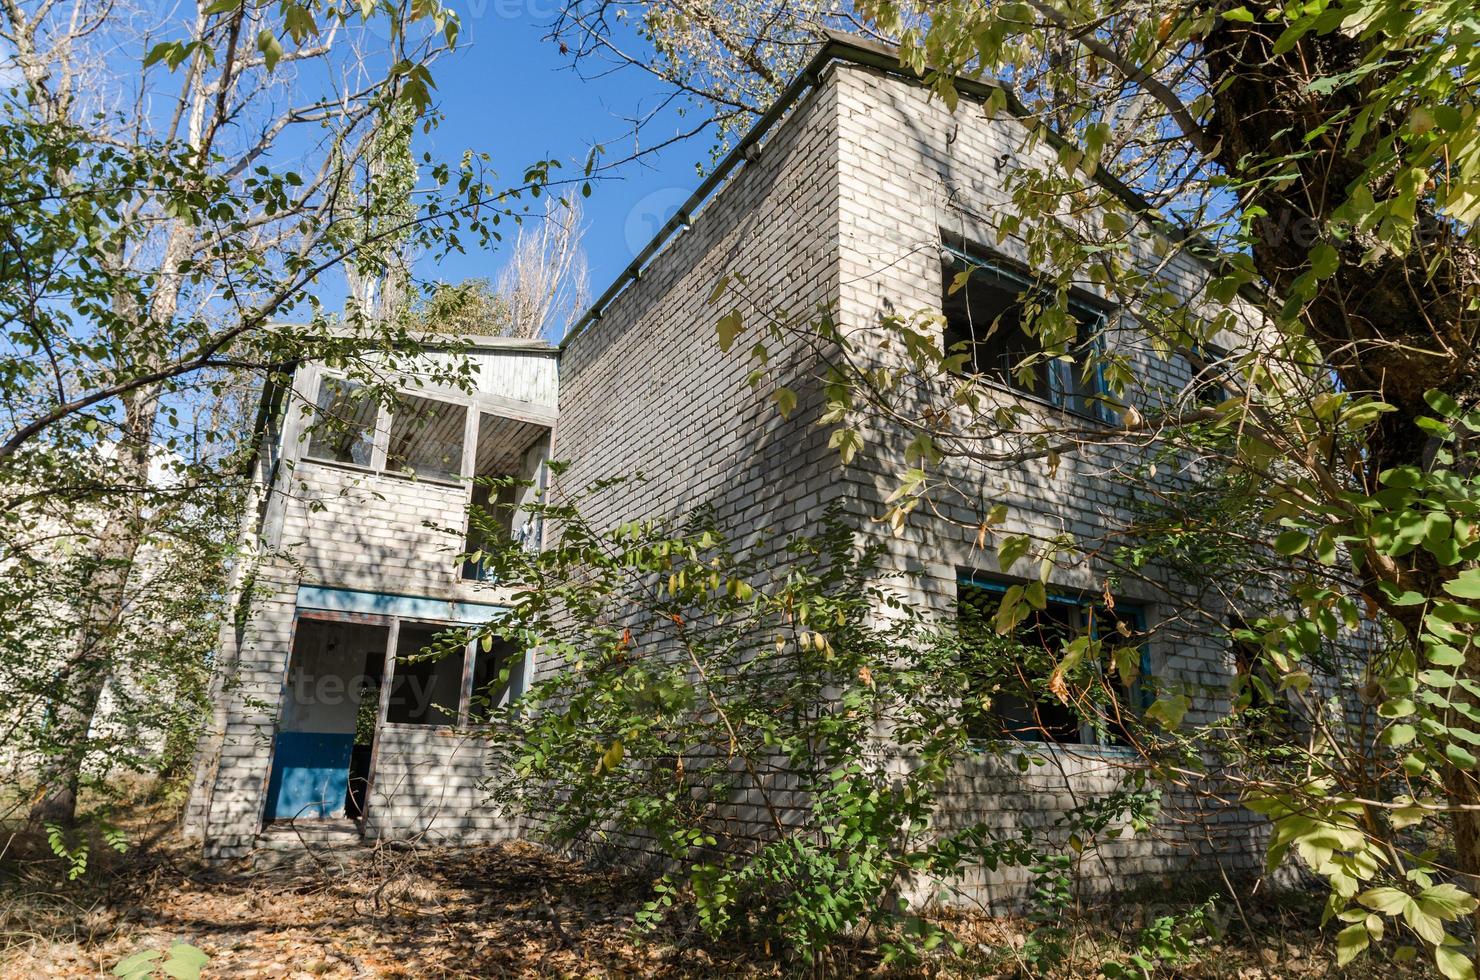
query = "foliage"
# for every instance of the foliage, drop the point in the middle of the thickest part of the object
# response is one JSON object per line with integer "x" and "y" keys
{"x": 766, "y": 720}
{"x": 1164, "y": 943}
{"x": 543, "y": 285}
{"x": 466, "y": 308}
{"x": 75, "y": 855}
{"x": 181, "y": 962}
{"x": 1278, "y": 206}
{"x": 731, "y": 59}
{"x": 154, "y": 694}
{"x": 162, "y": 221}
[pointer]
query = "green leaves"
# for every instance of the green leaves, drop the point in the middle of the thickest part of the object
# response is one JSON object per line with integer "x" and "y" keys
{"x": 1453, "y": 963}
{"x": 1168, "y": 711}
{"x": 172, "y": 53}
{"x": 728, "y": 328}
{"x": 183, "y": 962}
{"x": 1010, "y": 550}
{"x": 1459, "y": 757}
{"x": 785, "y": 399}
{"x": 1324, "y": 260}
{"x": 1443, "y": 403}
{"x": 1291, "y": 543}
{"x": 271, "y": 48}
{"x": 1350, "y": 943}
{"x": 1388, "y": 901}
{"x": 1425, "y": 914}
{"x": 847, "y": 442}
{"x": 1466, "y": 585}
{"x": 611, "y": 757}
{"x": 416, "y": 89}
{"x": 657, "y": 728}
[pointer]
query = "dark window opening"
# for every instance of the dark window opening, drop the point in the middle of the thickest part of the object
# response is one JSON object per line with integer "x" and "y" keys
{"x": 984, "y": 321}
{"x": 427, "y": 684}
{"x": 508, "y": 450}
{"x": 343, "y": 430}
{"x": 366, "y": 713}
{"x": 1208, "y": 382}
{"x": 1006, "y": 685}
{"x": 1008, "y": 695}
{"x": 492, "y": 679}
{"x": 1262, "y": 708}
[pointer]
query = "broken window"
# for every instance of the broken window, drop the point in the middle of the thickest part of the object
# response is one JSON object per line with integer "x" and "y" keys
{"x": 426, "y": 438}
{"x": 491, "y": 685}
{"x": 426, "y": 688}
{"x": 984, "y": 306}
{"x": 343, "y": 429}
{"x": 507, "y": 474}
{"x": 1008, "y": 693}
{"x": 1209, "y": 383}
{"x": 1263, "y": 709}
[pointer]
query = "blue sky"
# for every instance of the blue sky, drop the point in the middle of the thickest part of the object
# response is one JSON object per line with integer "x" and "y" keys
{"x": 507, "y": 92}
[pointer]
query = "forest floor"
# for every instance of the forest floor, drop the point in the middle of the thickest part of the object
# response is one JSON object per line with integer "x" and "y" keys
{"x": 516, "y": 910}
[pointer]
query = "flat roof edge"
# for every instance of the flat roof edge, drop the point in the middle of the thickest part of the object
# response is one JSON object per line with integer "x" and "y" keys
{"x": 839, "y": 46}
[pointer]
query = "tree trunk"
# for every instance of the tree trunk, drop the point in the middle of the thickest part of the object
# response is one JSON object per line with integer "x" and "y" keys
{"x": 1380, "y": 322}
{"x": 104, "y": 595}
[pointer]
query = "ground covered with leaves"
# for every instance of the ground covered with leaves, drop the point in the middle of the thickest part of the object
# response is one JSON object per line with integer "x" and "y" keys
{"x": 516, "y": 910}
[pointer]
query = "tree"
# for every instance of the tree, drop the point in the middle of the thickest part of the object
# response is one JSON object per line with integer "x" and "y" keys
{"x": 544, "y": 281}
{"x": 468, "y": 308}
{"x": 1324, "y": 161}
{"x": 541, "y": 288}
{"x": 162, "y": 222}
{"x": 728, "y": 59}
{"x": 685, "y": 675}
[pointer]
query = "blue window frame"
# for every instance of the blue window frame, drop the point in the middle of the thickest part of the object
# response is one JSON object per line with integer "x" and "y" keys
{"x": 984, "y": 320}
{"x": 1045, "y": 718}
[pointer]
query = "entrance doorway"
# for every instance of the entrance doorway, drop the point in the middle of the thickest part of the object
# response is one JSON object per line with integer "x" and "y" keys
{"x": 326, "y": 729}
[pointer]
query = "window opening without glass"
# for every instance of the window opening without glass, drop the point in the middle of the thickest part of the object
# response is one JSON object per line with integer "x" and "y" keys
{"x": 985, "y": 321}
{"x": 344, "y": 425}
{"x": 1041, "y": 637}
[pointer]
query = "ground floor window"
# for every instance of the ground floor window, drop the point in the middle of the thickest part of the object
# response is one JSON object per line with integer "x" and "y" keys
{"x": 351, "y": 673}
{"x": 1008, "y": 695}
{"x": 441, "y": 680}
{"x": 426, "y": 686}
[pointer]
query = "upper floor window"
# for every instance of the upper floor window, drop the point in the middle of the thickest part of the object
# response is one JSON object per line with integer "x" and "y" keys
{"x": 424, "y": 436}
{"x": 508, "y": 473}
{"x": 344, "y": 426}
{"x": 1209, "y": 385}
{"x": 1009, "y": 674}
{"x": 427, "y": 438}
{"x": 985, "y": 305}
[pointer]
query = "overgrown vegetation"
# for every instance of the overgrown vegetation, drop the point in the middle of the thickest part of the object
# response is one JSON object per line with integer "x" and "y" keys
{"x": 1312, "y": 170}
{"x": 1282, "y": 199}
{"x": 775, "y": 729}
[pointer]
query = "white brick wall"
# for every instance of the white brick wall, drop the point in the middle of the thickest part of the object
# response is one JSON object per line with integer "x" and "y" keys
{"x": 343, "y": 528}
{"x": 912, "y": 170}
{"x": 843, "y": 210}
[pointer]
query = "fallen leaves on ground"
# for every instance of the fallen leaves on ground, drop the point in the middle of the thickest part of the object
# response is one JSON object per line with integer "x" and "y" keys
{"x": 499, "y": 910}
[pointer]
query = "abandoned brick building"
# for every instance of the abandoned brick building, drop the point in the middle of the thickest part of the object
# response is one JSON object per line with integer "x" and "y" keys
{"x": 850, "y": 196}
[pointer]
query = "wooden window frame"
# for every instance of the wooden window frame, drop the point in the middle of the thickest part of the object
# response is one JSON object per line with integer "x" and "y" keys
{"x": 474, "y": 405}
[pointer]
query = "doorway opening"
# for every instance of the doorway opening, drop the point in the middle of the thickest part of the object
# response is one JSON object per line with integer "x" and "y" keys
{"x": 326, "y": 729}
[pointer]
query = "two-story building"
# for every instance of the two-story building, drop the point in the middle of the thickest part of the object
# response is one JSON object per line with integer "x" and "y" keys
{"x": 859, "y": 194}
